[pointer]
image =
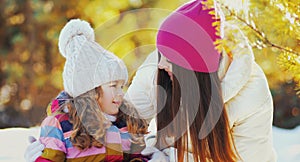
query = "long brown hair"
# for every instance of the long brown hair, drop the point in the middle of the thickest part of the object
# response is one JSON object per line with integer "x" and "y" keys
{"x": 89, "y": 123}
{"x": 192, "y": 112}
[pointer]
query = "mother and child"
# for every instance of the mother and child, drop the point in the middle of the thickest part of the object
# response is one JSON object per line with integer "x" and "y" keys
{"x": 208, "y": 105}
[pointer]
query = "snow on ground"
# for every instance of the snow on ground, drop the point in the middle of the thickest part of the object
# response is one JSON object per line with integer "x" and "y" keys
{"x": 287, "y": 144}
{"x": 13, "y": 142}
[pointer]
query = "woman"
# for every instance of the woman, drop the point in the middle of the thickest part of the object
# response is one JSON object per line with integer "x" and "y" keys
{"x": 245, "y": 91}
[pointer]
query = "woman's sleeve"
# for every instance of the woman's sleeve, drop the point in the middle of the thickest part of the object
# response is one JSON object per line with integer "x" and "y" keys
{"x": 141, "y": 92}
{"x": 240, "y": 68}
{"x": 52, "y": 138}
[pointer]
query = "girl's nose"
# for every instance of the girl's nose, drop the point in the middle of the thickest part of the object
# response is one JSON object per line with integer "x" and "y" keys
{"x": 120, "y": 92}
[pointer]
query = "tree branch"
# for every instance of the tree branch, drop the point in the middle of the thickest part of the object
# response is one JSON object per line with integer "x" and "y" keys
{"x": 260, "y": 34}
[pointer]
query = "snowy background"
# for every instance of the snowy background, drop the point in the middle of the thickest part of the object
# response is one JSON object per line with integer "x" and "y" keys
{"x": 13, "y": 142}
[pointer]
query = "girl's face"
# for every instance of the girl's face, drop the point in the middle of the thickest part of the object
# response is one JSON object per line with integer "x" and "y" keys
{"x": 165, "y": 64}
{"x": 111, "y": 97}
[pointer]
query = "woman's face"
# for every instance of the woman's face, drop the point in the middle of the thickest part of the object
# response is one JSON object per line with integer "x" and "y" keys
{"x": 165, "y": 64}
{"x": 111, "y": 97}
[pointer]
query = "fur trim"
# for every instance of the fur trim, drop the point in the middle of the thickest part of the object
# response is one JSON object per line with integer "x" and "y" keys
{"x": 75, "y": 27}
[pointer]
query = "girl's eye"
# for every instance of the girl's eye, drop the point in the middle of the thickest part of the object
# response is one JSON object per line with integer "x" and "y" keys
{"x": 114, "y": 85}
{"x": 122, "y": 87}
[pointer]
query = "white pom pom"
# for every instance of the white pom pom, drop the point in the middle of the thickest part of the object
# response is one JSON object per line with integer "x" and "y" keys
{"x": 75, "y": 27}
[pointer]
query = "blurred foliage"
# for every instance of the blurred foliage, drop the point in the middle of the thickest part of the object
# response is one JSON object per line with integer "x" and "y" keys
{"x": 30, "y": 62}
{"x": 31, "y": 66}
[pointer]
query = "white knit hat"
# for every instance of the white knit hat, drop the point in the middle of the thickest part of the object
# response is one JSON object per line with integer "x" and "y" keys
{"x": 88, "y": 65}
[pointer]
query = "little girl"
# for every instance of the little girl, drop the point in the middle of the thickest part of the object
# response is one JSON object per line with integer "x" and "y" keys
{"x": 84, "y": 122}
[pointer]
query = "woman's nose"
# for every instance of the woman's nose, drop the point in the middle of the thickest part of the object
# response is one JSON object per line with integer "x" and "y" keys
{"x": 162, "y": 64}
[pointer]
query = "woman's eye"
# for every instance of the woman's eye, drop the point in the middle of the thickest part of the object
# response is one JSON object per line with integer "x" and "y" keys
{"x": 113, "y": 85}
{"x": 122, "y": 87}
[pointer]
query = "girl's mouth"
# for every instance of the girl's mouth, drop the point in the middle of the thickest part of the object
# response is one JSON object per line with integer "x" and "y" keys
{"x": 118, "y": 103}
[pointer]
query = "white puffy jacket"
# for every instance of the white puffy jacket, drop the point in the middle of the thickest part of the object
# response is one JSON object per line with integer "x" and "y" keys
{"x": 246, "y": 95}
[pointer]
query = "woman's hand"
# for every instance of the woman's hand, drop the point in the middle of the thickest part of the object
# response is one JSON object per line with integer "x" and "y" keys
{"x": 157, "y": 155}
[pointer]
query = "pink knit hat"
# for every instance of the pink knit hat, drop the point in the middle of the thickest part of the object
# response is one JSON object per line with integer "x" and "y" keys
{"x": 187, "y": 38}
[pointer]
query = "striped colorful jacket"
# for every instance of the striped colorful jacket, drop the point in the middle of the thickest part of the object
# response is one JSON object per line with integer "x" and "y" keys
{"x": 55, "y": 135}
